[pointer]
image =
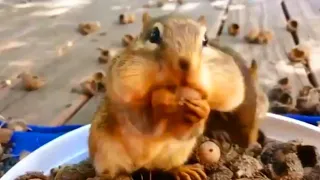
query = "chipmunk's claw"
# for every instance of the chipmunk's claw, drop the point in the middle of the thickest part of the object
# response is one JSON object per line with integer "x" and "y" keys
{"x": 189, "y": 172}
{"x": 196, "y": 110}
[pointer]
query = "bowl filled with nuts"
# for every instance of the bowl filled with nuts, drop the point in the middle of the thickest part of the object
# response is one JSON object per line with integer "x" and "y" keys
{"x": 283, "y": 132}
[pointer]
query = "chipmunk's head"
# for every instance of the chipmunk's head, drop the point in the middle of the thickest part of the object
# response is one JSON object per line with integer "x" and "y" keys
{"x": 177, "y": 43}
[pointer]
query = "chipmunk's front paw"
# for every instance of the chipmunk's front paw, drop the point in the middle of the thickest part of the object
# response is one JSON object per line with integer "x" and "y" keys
{"x": 189, "y": 172}
{"x": 196, "y": 110}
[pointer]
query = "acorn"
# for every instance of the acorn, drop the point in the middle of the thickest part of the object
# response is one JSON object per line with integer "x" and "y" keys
{"x": 292, "y": 25}
{"x": 131, "y": 18}
{"x": 89, "y": 27}
{"x": 123, "y": 19}
{"x": 252, "y": 35}
{"x": 299, "y": 54}
{"x": 31, "y": 82}
{"x": 98, "y": 79}
{"x": 17, "y": 125}
{"x": 127, "y": 40}
{"x": 234, "y": 29}
{"x": 104, "y": 55}
{"x": 208, "y": 153}
{"x": 264, "y": 37}
{"x": 126, "y": 18}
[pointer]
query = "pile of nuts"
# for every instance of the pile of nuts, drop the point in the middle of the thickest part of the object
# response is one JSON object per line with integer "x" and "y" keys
{"x": 282, "y": 102}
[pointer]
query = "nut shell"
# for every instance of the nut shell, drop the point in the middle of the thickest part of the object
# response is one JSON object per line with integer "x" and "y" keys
{"x": 234, "y": 29}
{"x": 127, "y": 40}
{"x": 292, "y": 25}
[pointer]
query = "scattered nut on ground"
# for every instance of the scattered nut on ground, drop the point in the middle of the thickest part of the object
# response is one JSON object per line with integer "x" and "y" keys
{"x": 89, "y": 27}
{"x": 104, "y": 55}
{"x": 233, "y": 29}
{"x": 299, "y": 54}
{"x": 257, "y": 36}
{"x": 5, "y": 83}
{"x": 126, "y": 18}
{"x": 307, "y": 101}
{"x": 31, "y": 82}
{"x": 91, "y": 86}
{"x": 265, "y": 37}
{"x": 252, "y": 35}
{"x": 127, "y": 40}
{"x": 292, "y": 25}
{"x": 17, "y": 125}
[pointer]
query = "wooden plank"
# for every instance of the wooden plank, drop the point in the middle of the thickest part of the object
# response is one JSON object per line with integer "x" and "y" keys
{"x": 62, "y": 73}
{"x": 41, "y": 38}
{"x": 271, "y": 58}
{"x": 191, "y": 8}
{"x": 85, "y": 114}
{"x": 20, "y": 20}
{"x": 308, "y": 30}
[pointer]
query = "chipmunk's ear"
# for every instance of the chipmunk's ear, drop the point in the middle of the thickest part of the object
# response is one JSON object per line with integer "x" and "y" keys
{"x": 202, "y": 20}
{"x": 145, "y": 18}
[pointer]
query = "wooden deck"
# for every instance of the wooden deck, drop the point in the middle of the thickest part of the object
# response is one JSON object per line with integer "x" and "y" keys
{"x": 35, "y": 36}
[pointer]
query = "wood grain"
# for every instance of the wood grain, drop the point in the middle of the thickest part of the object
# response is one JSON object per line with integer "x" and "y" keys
{"x": 64, "y": 72}
{"x": 308, "y": 16}
{"x": 272, "y": 58}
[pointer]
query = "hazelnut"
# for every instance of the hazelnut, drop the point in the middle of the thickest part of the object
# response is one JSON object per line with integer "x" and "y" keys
{"x": 31, "y": 82}
{"x": 233, "y": 29}
{"x": 292, "y": 25}
{"x": 127, "y": 40}
{"x": 208, "y": 153}
{"x": 88, "y": 28}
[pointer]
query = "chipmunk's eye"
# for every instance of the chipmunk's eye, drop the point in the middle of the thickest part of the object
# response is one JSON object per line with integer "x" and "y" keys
{"x": 155, "y": 36}
{"x": 205, "y": 40}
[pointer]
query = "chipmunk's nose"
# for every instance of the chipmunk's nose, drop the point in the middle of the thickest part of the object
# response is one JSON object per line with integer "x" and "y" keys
{"x": 184, "y": 64}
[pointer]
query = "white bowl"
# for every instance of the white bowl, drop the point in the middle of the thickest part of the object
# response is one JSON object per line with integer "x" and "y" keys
{"x": 72, "y": 147}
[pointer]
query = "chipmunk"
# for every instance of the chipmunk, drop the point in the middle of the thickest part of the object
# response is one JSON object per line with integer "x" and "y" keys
{"x": 155, "y": 106}
{"x": 160, "y": 90}
{"x": 242, "y": 123}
